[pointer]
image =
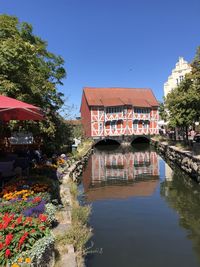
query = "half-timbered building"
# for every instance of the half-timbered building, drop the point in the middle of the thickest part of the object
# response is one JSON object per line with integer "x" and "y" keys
{"x": 107, "y": 112}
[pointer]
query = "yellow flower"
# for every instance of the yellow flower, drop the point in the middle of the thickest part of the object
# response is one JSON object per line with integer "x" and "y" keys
{"x": 20, "y": 260}
{"x": 15, "y": 265}
{"x": 28, "y": 260}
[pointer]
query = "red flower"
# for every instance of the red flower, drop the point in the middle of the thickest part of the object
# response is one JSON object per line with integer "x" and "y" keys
{"x": 36, "y": 199}
{"x": 19, "y": 220}
{"x": 6, "y": 220}
{"x": 9, "y": 238}
{"x": 22, "y": 239}
{"x": 28, "y": 219}
{"x": 13, "y": 226}
{"x": 42, "y": 217}
{"x": 7, "y": 253}
{"x": 1, "y": 246}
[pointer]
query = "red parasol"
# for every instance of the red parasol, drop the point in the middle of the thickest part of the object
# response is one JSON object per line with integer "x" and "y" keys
{"x": 12, "y": 109}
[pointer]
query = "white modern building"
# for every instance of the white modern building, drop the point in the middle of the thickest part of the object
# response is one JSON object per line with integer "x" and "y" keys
{"x": 178, "y": 73}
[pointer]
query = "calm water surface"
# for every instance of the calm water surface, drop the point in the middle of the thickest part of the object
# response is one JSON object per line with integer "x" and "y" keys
{"x": 144, "y": 214}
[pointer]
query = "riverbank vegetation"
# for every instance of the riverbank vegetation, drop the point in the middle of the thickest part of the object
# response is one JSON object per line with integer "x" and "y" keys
{"x": 78, "y": 232}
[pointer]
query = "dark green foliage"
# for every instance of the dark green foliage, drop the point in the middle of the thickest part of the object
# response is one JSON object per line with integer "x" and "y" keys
{"x": 29, "y": 72}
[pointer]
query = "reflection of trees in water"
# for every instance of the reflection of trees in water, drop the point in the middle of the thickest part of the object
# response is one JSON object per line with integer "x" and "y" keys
{"x": 183, "y": 195}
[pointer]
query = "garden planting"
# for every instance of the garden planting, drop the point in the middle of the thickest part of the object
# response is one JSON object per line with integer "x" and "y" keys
{"x": 26, "y": 217}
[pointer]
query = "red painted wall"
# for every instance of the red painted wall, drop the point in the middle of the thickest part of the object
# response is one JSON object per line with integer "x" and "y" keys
{"x": 85, "y": 116}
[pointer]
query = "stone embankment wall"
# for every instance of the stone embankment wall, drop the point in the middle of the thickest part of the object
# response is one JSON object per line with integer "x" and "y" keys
{"x": 79, "y": 165}
{"x": 67, "y": 254}
{"x": 184, "y": 159}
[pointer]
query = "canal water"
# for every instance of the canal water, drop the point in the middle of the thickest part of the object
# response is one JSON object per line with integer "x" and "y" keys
{"x": 144, "y": 214}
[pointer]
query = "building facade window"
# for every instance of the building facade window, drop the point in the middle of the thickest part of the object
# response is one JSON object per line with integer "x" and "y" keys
{"x": 135, "y": 124}
{"x": 114, "y": 110}
{"x": 181, "y": 78}
{"x": 145, "y": 124}
{"x": 124, "y": 111}
{"x": 100, "y": 126}
{"x": 142, "y": 110}
{"x": 113, "y": 125}
{"x": 101, "y": 111}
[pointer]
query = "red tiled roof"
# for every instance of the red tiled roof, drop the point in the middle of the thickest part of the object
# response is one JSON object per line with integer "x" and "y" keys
{"x": 138, "y": 97}
{"x": 73, "y": 122}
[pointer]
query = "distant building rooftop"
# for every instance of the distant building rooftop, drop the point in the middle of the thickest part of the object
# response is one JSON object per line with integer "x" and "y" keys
{"x": 73, "y": 122}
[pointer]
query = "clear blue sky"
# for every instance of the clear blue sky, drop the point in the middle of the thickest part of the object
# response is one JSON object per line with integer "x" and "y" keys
{"x": 111, "y": 43}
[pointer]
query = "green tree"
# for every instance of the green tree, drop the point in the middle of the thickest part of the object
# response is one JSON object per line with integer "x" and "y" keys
{"x": 183, "y": 102}
{"x": 29, "y": 72}
{"x": 162, "y": 111}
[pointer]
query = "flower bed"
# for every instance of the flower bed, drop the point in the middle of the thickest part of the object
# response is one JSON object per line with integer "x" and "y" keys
{"x": 26, "y": 216}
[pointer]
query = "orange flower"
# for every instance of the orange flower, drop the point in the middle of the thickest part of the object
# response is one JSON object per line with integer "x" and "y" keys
{"x": 28, "y": 260}
{"x": 20, "y": 260}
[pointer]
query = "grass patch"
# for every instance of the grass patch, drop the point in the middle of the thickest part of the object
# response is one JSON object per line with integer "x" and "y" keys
{"x": 73, "y": 189}
{"x": 159, "y": 138}
{"x": 78, "y": 234}
{"x": 80, "y": 214}
{"x": 182, "y": 146}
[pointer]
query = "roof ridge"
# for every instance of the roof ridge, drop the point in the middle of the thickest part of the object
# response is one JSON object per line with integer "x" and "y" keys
{"x": 111, "y": 96}
{"x": 139, "y": 88}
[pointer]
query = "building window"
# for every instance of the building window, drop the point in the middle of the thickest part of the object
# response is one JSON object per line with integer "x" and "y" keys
{"x": 114, "y": 109}
{"x": 100, "y": 112}
{"x": 113, "y": 125}
{"x": 181, "y": 78}
{"x": 145, "y": 124}
{"x": 100, "y": 126}
{"x": 135, "y": 124}
{"x": 141, "y": 110}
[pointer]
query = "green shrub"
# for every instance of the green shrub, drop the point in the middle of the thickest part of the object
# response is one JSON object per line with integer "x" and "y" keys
{"x": 50, "y": 210}
{"x": 42, "y": 251}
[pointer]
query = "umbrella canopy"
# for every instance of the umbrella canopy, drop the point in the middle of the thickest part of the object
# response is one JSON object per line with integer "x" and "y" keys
{"x": 12, "y": 109}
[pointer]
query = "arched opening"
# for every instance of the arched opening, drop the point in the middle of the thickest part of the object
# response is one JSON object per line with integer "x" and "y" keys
{"x": 107, "y": 142}
{"x": 140, "y": 140}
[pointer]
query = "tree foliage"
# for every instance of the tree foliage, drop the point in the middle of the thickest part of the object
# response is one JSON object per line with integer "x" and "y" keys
{"x": 162, "y": 111}
{"x": 183, "y": 102}
{"x": 29, "y": 72}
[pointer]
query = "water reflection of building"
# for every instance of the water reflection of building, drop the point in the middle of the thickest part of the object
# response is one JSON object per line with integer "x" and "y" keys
{"x": 129, "y": 166}
{"x": 136, "y": 173}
